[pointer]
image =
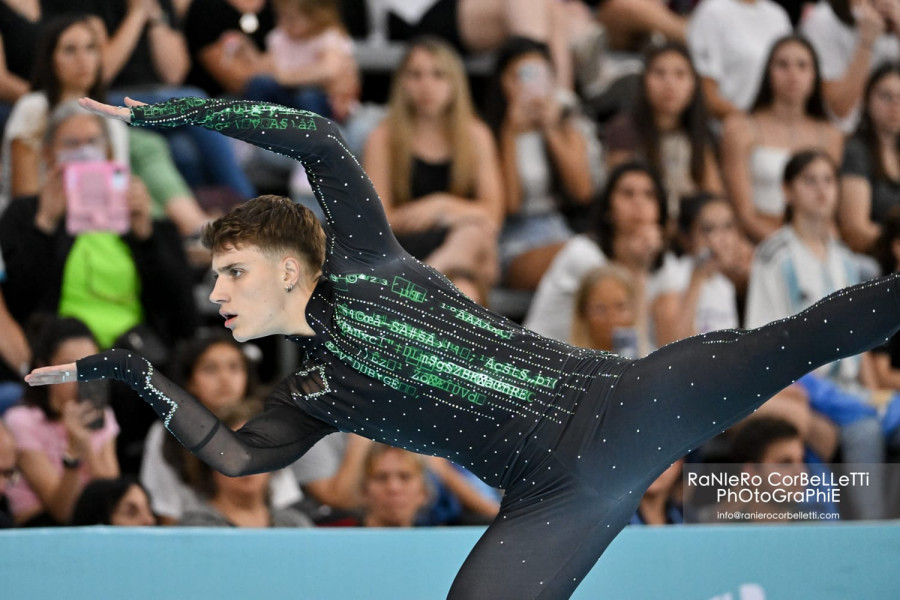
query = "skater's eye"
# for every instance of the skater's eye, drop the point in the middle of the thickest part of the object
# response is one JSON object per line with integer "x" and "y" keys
{"x": 236, "y": 272}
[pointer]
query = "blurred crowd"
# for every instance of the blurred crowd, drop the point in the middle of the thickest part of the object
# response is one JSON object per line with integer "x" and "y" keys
{"x": 615, "y": 174}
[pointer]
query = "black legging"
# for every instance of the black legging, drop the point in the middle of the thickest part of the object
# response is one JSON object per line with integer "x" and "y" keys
{"x": 570, "y": 505}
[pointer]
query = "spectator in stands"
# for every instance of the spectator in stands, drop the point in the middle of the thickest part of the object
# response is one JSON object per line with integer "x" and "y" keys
{"x": 116, "y": 284}
{"x": 714, "y": 259}
{"x": 627, "y": 230}
{"x": 787, "y": 115}
{"x": 145, "y": 56}
{"x": 630, "y": 23}
{"x": 544, "y": 156}
{"x": 435, "y": 166}
{"x": 9, "y": 474}
{"x": 331, "y": 473}
{"x": 851, "y": 37}
{"x": 14, "y": 349}
{"x": 18, "y": 36}
{"x": 886, "y": 358}
{"x": 394, "y": 487}
{"x": 118, "y": 502}
{"x": 798, "y": 265}
{"x": 659, "y": 504}
{"x": 141, "y": 43}
{"x": 668, "y": 127}
{"x": 227, "y": 41}
{"x": 61, "y": 441}
{"x": 215, "y": 370}
{"x": 311, "y": 59}
{"x": 729, "y": 41}
{"x": 68, "y": 67}
{"x": 763, "y": 446}
{"x": 481, "y": 25}
{"x": 605, "y": 312}
{"x": 870, "y": 174}
{"x": 236, "y": 501}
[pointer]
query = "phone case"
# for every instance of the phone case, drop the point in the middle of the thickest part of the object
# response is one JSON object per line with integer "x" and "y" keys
{"x": 96, "y": 197}
{"x": 625, "y": 342}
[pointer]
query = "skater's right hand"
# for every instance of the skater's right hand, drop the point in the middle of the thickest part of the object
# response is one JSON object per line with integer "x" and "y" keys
{"x": 55, "y": 374}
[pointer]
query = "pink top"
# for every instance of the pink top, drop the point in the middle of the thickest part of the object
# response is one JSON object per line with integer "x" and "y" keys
{"x": 32, "y": 431}
{"x": 296, "y": 55}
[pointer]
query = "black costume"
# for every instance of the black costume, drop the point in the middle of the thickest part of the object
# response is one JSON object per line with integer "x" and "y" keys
{"x": 574, "y": 436}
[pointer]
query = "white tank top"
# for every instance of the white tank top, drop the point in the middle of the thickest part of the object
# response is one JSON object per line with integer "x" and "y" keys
{"x": 766, "y": 173}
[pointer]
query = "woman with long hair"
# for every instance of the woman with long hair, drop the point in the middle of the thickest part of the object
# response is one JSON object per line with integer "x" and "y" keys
{"x": 63, "y": 438}
{"x": 544, "y": 158}
{"x": 668, "y": 127}
{"x": 214, "y": 368}
{"x": 802, "y": 262}
{"x": 235, "y": 501}
{"x": 434, "y": 164}
{"x": 627, "y": 230}
{"x": 870, "y": 174}
{"x": 788, "y": 115}
{"x": 68, "y": 65}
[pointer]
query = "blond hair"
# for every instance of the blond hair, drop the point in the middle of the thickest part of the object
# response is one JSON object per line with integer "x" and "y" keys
{"x": 457, "y": 124}
{"x": 580, "y": 336}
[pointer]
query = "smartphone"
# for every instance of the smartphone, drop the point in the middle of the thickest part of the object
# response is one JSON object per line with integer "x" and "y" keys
{"x": 625, "y": 342}
{"x": 96, "y": 393}
{"x": 96, "y": 196}
{"x": 535, "y": 79}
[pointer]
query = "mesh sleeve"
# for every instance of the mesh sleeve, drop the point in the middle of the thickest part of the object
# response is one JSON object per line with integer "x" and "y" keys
{"x": 272, "y": 440}
{"x": 355, "y": 219}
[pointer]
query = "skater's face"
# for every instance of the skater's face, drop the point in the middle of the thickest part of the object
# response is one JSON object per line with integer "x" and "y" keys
{"x": 251, "y": 291}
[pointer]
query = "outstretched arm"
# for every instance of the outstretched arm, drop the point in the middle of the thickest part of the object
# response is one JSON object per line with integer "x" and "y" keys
{"x": 355, "y": 219}
{"x": 273, "y": 440}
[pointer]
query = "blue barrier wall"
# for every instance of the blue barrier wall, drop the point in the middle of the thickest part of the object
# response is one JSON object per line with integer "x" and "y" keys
{"x": 737, "y": 562}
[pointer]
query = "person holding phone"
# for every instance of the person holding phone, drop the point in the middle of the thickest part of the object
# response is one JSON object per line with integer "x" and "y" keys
{"x": 63, "y": 440}
{"x": 605, "y": 313}
{"x": 115, "y": 274}
{"x": 544, "y": 160}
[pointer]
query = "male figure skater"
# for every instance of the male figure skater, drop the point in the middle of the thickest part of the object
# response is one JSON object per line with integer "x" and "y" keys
{"x": 392, "y": 351}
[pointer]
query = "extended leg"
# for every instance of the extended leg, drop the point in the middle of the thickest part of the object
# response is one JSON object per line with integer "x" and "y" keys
{"x": 691, "y": 390}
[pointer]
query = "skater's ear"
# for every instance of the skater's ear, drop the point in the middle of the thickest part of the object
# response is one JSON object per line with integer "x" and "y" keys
{"x": 292, "y": 269}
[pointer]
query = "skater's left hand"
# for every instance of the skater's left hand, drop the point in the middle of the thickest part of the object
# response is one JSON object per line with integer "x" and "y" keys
{"x": 122, "y": 113}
